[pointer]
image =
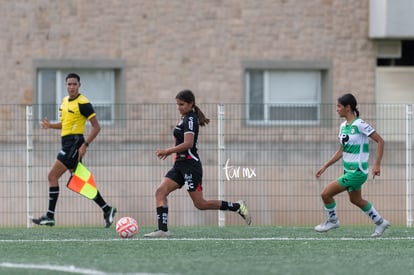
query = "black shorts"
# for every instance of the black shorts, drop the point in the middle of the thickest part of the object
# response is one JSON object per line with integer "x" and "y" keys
{"x": 188, "y": 173}
{"x": 69, "y": 153}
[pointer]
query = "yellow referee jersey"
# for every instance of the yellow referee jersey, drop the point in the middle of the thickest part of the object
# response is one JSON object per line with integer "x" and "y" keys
{"x": 73, "y": 114}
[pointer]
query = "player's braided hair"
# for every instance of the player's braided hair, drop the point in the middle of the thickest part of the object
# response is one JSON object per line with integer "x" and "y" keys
{"x": 188, "y": 96}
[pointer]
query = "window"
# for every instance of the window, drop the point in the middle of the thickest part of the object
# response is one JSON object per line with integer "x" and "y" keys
{"x": 101, "y": 84}
{"x": 283, "y": 94}
{"x": 406, "y": 58}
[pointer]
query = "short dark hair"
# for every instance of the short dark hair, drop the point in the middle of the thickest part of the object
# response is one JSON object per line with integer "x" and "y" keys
{"x": 72, "y": 75}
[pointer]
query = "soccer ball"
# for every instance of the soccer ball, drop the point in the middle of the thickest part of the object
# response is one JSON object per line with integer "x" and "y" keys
{"x": 127, "y": 227}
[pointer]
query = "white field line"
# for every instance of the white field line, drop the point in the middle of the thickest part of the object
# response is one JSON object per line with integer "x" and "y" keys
{"x": 213, "y": 239}
{"x": 64, "y": 268}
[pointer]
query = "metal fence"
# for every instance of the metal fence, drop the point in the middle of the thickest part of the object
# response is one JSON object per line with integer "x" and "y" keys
{"x": 271, "y": 166}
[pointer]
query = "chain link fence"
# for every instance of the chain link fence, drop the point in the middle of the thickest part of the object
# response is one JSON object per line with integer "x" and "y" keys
{"x": 269, "y": 165}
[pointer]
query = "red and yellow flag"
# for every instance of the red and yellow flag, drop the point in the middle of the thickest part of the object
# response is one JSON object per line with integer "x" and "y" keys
{"x": 83, "y": 182}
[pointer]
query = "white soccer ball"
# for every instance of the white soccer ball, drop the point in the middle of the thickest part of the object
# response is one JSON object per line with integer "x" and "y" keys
{"x": 127, "y": 227}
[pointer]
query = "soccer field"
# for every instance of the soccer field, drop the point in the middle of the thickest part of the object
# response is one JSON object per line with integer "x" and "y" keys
{"x": 207, "y": 250}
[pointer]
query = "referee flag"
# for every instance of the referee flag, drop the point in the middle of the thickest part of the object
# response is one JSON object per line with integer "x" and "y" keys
{"x": 82, "y": 181}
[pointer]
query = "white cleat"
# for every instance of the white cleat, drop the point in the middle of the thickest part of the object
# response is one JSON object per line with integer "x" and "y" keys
{"x": 326, "y": 226}
{"x": 158, "y": 234}
{"x": 380, "y": 229}
{"x": 244, "y": 213}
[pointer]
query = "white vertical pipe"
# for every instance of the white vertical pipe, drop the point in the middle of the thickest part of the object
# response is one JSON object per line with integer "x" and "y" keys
{"x": 409, "y": 121}
{"x": 221, "y": 160}
{"x": 29, "y": 162}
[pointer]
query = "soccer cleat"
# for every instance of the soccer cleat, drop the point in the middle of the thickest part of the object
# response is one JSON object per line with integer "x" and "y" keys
{"x": 109, "y": 216}
{"x": 44, "y": 220}
{"x": 158, "y": 234}
{"x": 244, "y": 213}
{"x": 326, "y": 226}
{"x": 379, "y": 229}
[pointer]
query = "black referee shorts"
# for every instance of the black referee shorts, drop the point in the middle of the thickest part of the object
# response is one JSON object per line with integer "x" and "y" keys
{"x": 69, "y": 153}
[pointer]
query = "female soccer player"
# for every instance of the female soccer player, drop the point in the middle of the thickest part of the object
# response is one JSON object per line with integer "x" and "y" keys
{"x": 187, "y": 169}
{"x": 353, "y": 137}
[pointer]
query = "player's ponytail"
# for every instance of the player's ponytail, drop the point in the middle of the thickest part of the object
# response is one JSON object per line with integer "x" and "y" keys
{"x": 356, "y": 112}
{"x": 349, "y": 99}
{"x": 188, "y": 96}
{"x": 202, "y": 120}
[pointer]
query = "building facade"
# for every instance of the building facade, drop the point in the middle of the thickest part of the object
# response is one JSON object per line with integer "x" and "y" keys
{"x": 157, "y": 48}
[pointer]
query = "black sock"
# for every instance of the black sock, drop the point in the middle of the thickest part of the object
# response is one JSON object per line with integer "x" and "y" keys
{"x": 226, "y": 205}
{"x": 53, "y": 197}
{"x": 162, "y": 216}
{"x": 101, "y": 202}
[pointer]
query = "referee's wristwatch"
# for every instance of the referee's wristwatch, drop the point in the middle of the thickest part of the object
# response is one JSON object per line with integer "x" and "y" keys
{"x": 87, "y": 144}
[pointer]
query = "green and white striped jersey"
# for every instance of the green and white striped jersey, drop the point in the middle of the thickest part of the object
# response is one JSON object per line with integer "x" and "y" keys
{"x": 354, "y": 140}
